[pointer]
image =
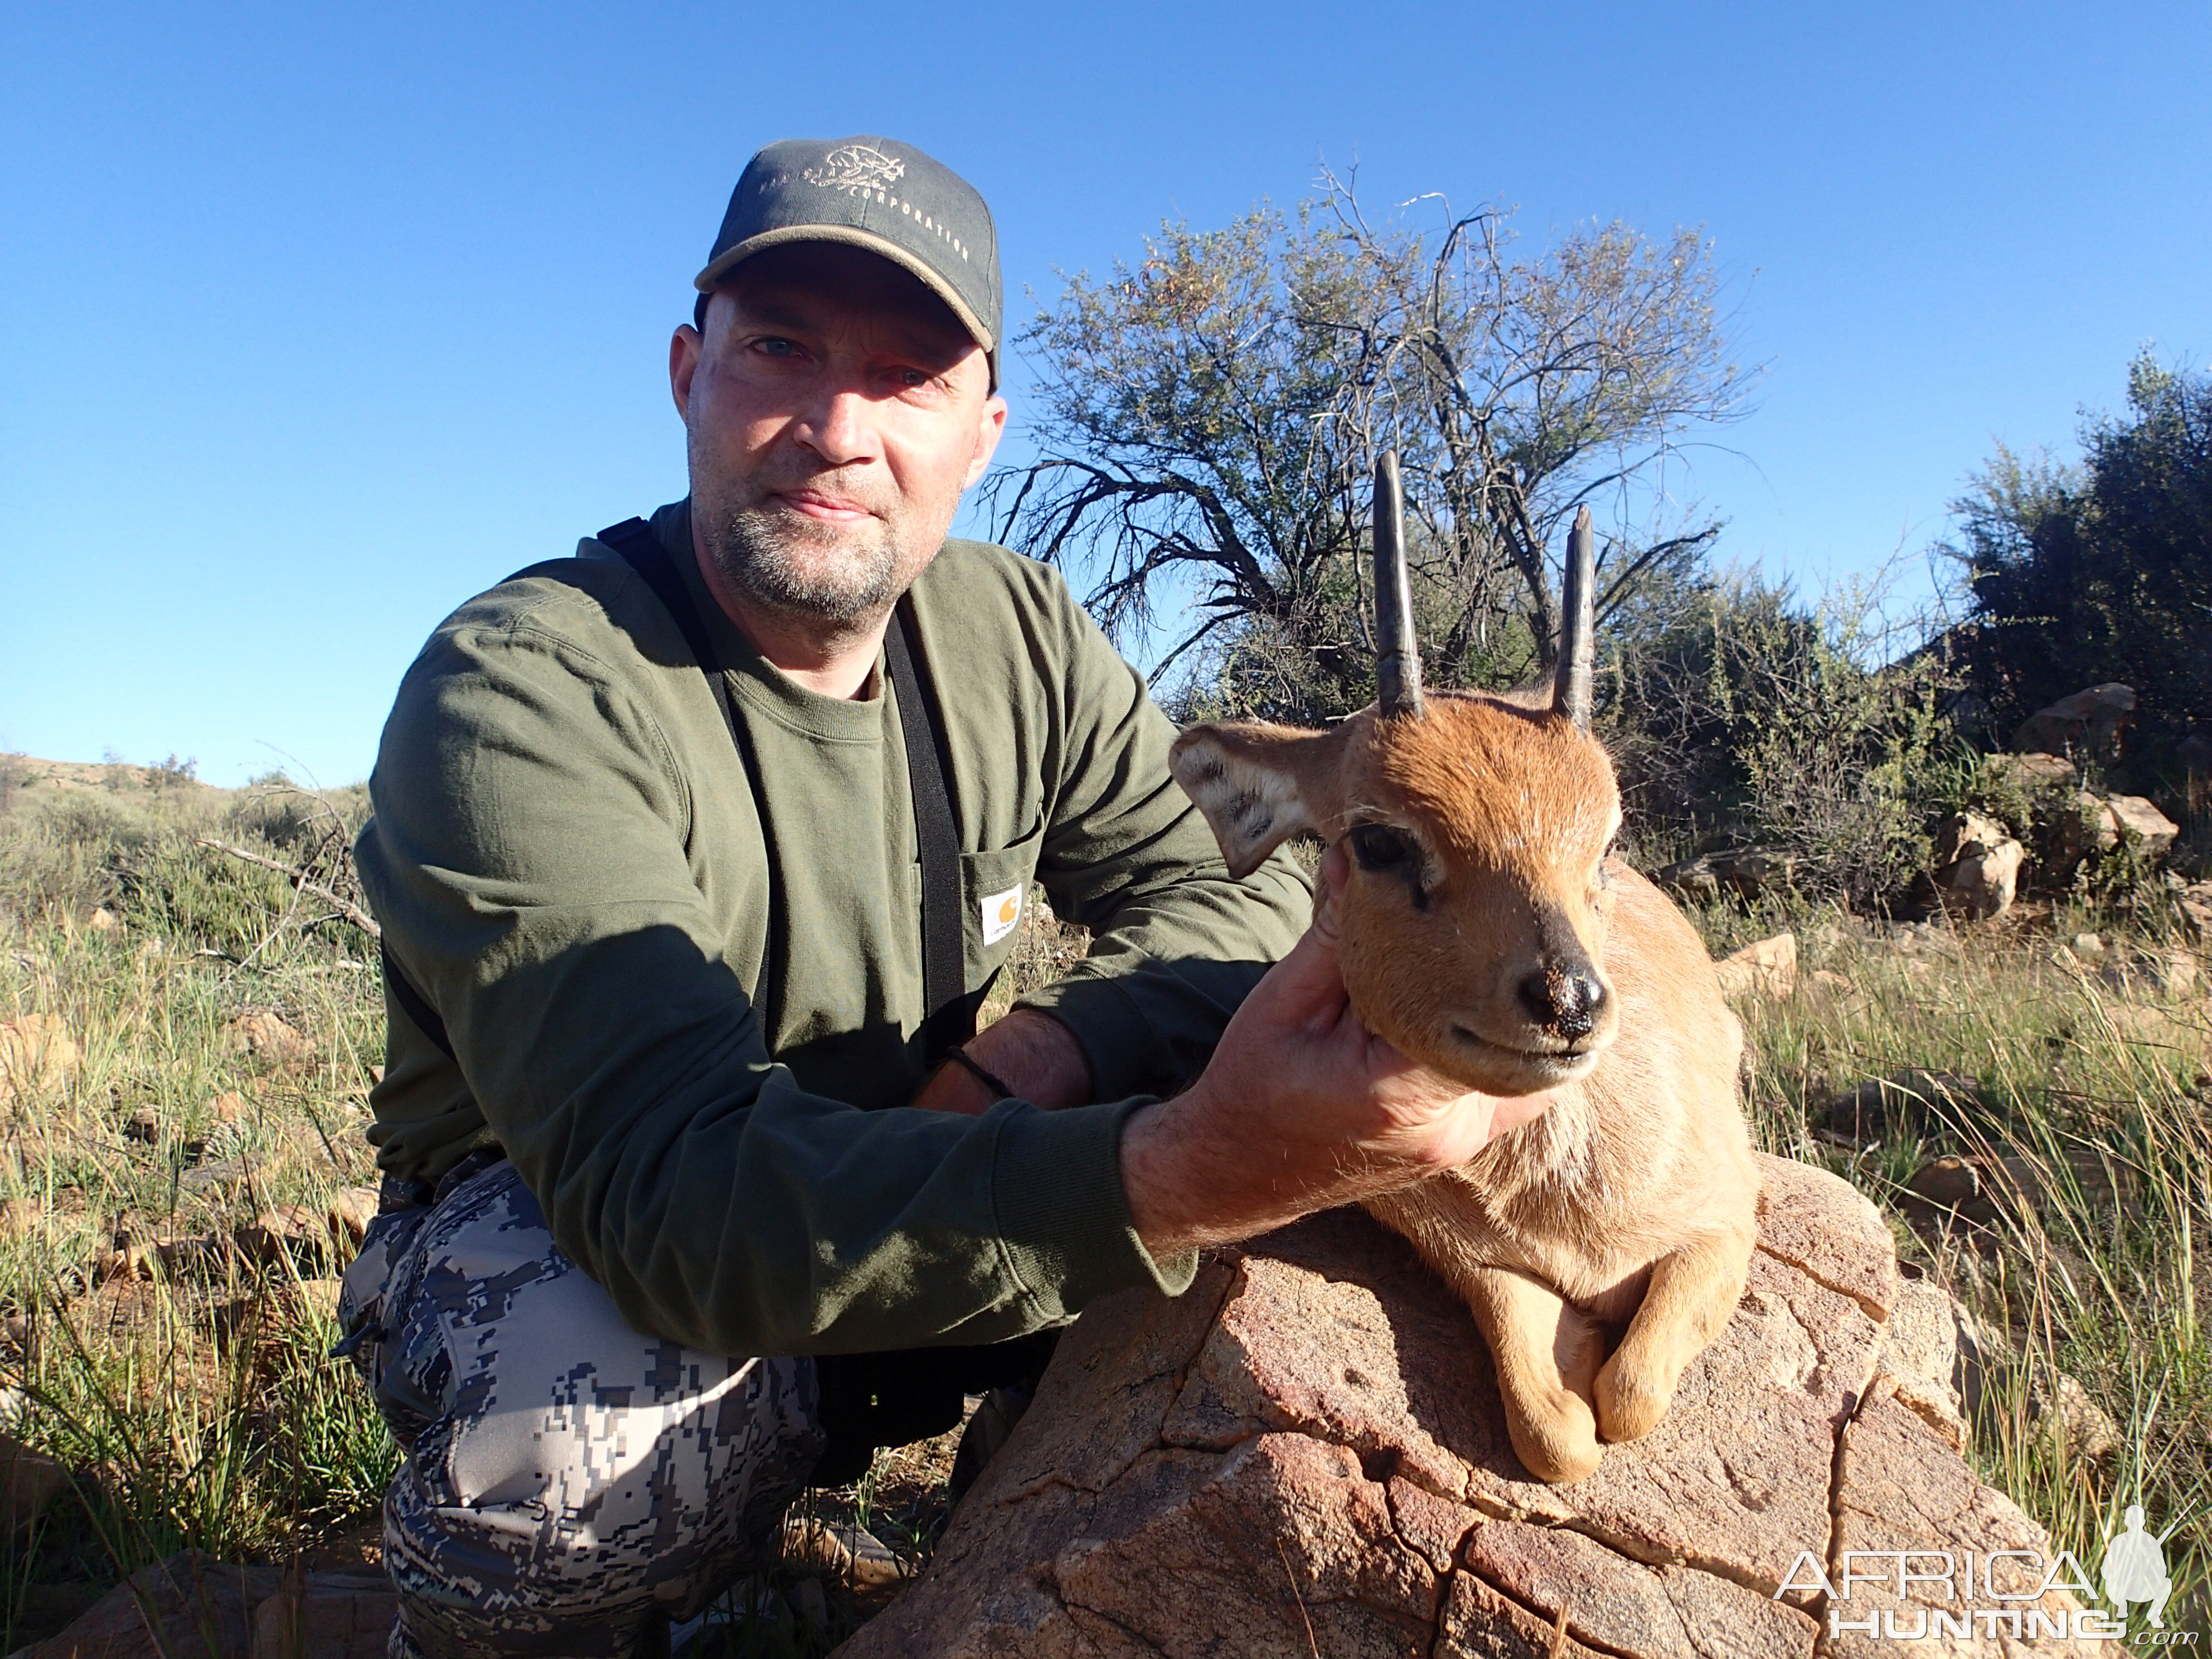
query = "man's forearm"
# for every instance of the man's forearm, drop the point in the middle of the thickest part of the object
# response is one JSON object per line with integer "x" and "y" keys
{"x": 1032, "y": 1053}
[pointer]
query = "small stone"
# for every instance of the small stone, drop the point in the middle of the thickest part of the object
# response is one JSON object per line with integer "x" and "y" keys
{"x": 352, "y": 1209}
{"x": 813, "y": 1607}
{"x": 29, "y": 1481}
{"x": 2086, "y": 945}
{"x": 291, "y": 1232}
{"x": 1879, "y": 1107}
{"x": 2174, "y": 971}
{"x": 102, "y": 920}
{"x": 376, "y": 1074}
{"x": 266, "y": 1037}
{"x": 2061, "y": 1411}
{"x": 228, "y": 1107}
{"x": 1948, "y": 1181}
{"x": 36, "y": 1053}
{"x": 1835, "y": 984}
{"x": 1767, "y": 969}
{"x": 1920, "y": 1349}
{"x": 318, "y": 1298}
{"x": 214, "y": 1178}
{"x": 144, "y": 1125}
{"x": 812, "y": 1544}
{"x": 125, "y": 1261}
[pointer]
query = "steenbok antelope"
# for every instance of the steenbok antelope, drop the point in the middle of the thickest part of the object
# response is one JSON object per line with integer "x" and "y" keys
{"x": 1486, "y": 931}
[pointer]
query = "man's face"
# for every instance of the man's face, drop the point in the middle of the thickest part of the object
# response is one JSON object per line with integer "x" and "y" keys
{"x": 835, "y": 409}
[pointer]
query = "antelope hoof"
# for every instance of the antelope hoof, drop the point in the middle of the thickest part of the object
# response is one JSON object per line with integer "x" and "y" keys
{"x": 1630, "y": 1401}
{"x": 1558, "y": 1443}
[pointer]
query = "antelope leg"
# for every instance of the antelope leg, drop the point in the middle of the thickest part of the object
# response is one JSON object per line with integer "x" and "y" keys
{"x": 1547, "y": 1354}
{"x": 1691, "y": 1293}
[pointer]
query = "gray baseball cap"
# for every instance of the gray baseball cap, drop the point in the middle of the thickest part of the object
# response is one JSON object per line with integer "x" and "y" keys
{"x": 878, "y": 194}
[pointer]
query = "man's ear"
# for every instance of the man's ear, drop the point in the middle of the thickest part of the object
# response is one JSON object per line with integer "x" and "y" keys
{"x": 990, "y": 427}
{"x": 1260, "y": 785}
{"x": 682, "y": 363}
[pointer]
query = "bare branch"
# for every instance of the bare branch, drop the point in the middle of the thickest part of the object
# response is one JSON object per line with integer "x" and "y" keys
{"x": 299, "y": 879}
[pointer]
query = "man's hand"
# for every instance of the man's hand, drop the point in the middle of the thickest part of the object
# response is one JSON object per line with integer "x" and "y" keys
{"x": 1032, "y": 1053}
{"x": 1300, "y": 1108}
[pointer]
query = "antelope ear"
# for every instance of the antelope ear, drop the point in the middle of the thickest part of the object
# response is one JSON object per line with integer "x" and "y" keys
{"x": 1260, "y": 785}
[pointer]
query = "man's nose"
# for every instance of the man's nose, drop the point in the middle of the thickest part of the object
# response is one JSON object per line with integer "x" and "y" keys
{"x": 841, "y": 427}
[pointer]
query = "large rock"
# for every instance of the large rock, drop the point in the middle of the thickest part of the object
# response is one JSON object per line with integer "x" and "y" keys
{"x": 189, "y": 1607}
{"x": 2089, "y": 720}
{"x": 1976, "y": 866}
{"x": 326, "y": 1615}
{"x": 1305, "y": 1453}
{"x": 2140, "y": 821}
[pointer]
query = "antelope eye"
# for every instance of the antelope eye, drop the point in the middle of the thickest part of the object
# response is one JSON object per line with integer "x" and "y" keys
{"x": 1379, "y": 849}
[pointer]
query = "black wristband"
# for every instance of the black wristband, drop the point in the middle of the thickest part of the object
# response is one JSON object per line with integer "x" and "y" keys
{"x": 967, "y": 1064}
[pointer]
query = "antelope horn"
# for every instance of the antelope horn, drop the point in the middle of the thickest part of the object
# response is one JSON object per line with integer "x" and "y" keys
{"x": 1571, "y": 690}
{"x": 1397, "y": 652}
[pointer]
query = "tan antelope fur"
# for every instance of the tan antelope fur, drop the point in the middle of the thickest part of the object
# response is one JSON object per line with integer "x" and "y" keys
{"x": 1486, "y": 931}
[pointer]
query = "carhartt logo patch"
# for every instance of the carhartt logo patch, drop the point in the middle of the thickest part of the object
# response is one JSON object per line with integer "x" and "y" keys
{"x": 1002, "y": 913}
{"x": 856, "y": 168}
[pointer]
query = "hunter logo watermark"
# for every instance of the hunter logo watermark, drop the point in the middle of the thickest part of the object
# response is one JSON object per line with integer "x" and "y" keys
{"x": 2135, "y": 1568}
{"x": 854, "y": 168}
{"x": 1995, "y": 1593}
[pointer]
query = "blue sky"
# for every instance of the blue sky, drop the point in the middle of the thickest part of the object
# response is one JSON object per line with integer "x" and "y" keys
{"x": 314, "y": 322}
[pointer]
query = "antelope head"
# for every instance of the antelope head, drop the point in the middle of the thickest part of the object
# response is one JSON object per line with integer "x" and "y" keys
{"x": 1472, "y": 926}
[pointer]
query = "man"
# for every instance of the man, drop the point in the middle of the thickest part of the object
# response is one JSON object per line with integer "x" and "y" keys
{"x": 653, "y": 851}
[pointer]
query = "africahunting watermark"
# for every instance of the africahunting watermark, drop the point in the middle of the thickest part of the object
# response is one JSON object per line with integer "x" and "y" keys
{"x": 1992, "y": 1592}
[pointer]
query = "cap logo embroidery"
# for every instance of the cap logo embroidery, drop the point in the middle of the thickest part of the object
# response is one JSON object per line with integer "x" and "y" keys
{"x": 856, "y": 169}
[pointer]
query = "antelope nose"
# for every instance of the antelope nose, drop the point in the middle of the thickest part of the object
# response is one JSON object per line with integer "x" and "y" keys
{"x": 1565, "y": 1001}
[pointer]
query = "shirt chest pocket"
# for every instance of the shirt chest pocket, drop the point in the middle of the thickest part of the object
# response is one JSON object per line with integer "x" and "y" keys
{"x": 995, "y": 891}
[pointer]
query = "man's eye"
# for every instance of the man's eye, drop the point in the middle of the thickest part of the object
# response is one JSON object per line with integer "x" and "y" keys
{"x": 1379, "y": 849}
{"x": 911, "y": 377}
{"x": 775, "y": 348}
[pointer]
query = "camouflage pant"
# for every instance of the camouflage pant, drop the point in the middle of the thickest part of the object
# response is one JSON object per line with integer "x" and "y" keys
{"x": 567, "y": 1483}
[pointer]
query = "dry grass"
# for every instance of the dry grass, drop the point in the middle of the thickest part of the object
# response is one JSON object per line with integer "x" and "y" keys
{"x": 2086, "y": 1263}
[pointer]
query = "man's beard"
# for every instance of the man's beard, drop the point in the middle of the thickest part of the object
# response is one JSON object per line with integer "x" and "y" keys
{"x": 843, "y": 575}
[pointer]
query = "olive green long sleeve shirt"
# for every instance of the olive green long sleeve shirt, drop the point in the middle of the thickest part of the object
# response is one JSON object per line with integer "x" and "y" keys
{"x": 691, "y": 1018}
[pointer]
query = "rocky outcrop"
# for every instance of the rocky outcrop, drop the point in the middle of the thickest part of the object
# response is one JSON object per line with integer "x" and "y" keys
{"x": 2089, "y": 720}
{"x": 1305, "y": 1453}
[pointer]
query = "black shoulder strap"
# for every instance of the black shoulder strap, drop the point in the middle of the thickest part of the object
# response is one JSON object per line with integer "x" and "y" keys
{"x": 414, "y": 1004}
{"x": 642, "y": 550}
{"x": 951, "y": 1018}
